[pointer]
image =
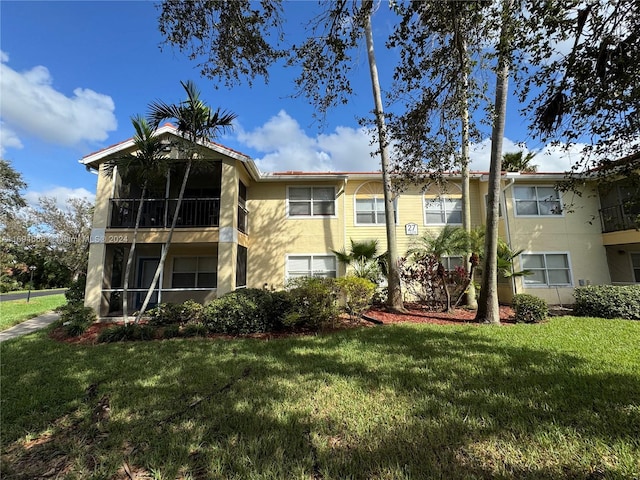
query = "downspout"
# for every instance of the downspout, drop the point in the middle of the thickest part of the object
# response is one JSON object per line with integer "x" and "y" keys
{"x": 344, "y": 219}
{"x": 510, "y": 183}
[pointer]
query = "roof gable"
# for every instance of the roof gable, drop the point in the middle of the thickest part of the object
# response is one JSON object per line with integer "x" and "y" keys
{"x": 96, "y": 158}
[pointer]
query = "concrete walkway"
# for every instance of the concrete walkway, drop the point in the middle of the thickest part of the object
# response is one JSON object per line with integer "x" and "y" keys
{"x": 29, "y": 326}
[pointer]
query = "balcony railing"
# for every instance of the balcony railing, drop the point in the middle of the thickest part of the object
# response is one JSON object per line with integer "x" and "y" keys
{"x": 159, "y": 213}
{"x": 617, "y": 218}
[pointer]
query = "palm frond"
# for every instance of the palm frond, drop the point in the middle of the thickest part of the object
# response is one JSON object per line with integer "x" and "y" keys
{"x": 366, "y": 249}
{"x": 342, "y": 256}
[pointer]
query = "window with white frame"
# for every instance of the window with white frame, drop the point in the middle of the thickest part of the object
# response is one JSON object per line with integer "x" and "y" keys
{"x": 311, "y": 266}
{"x": 194, "y": 272}
{"x": 548, "y": 269}
{"x": 370, "y": 210}
{"x": 635, "y": 264}
{"x": 443, "y": 210}
{"x": 369, "y": 205}
{"x": 311, "y": 201}
{"x": 450, "y": 263}
{"x": 536, "y": 201}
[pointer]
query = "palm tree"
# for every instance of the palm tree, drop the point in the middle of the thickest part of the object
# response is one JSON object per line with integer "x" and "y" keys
{"x": 394, "y": 299}
{"x": 196, "y": 123}
{"x": 518, "y": 162}
{"x": 364, "y": 259}
{"x": 488, "y": 306}
{"x": 147, "y": 166}
{"x": 505, "y": 261}
{"x": 450, "y": 241}
{"x": 367, "y": 249}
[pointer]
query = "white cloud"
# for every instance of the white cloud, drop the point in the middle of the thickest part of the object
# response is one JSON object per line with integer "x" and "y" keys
{"x": 548, "y": 159}
{"x": 286, "y": 147}
{"x": 61, "y": 195}
{"x": 32, "y": 105}
{"x": 8, "y": 139}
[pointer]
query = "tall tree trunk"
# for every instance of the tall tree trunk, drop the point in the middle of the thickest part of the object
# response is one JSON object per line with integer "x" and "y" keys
{"x": 167, "y": 244}
{"x": 130, "y": 257}
{"x": 394, "y": 299}
{"x": 461, "y": 45}
{"x": 488, "y": 307}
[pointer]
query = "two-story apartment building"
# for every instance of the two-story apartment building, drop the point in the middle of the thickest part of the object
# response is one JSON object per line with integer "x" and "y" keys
{"x": 240, "y": 228}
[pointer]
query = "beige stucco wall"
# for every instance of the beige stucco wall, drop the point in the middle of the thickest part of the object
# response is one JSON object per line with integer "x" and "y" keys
{"x": 574, "y": 233}
{"x": 410, "y": 207}
{"x": 273, "y": 235}
{"x": 93, "y": 289}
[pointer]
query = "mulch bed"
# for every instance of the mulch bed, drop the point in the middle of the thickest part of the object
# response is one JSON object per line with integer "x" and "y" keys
{"x": 419, "y": 314}
{"x": 378, "y": 315}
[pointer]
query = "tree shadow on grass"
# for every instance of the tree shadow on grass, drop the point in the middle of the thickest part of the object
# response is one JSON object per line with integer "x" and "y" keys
{"x": 392, "y": 402}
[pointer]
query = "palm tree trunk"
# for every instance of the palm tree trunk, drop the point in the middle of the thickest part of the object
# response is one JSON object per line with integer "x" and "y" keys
{"x": 394, "y": 299}
{"x": 463, "y": 53}
{"x": 130, "y": 257}
{"x": 442, "y": 274}
{"x": 167, "y": 244}
{"x": 488, "y": 307}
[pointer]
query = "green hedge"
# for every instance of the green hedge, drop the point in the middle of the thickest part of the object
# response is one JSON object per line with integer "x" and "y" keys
{"x": 529, "y": 308}
{"x": 314, "y": 303}
{"x": 176, "y": 313}
{"x": 246, "y": 311}
{"x": 608, "y": 301}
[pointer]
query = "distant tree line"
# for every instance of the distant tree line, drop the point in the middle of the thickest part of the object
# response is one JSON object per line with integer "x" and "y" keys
{"x": 53, "y": 239}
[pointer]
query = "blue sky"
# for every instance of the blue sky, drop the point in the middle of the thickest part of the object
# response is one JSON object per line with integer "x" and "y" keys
{"x": 73, "y": 73}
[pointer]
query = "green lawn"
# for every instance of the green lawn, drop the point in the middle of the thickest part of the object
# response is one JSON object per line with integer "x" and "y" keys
{"x": 16, "y": 311}
{"x": 555, "y": 400}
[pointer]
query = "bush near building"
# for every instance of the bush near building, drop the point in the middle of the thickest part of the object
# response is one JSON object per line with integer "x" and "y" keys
{"x": 608, "y": 301}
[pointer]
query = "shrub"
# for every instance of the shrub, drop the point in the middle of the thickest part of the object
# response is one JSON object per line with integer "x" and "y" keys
{"x": 176, "y": 313}
{"x": 8, "y": 283}
{"x": 240, "y": 312}
{"x": 74, "y": 312}
{"x": 195, "y": 330}
{"x": 279, "y": 305}
{"x": 75, "y": 292}
{"x": 124, "y": 333}
{"x": 313, "y": 303}
{"x": 171, "y": 331}
{"x": 529, "y": 308}
{"x": 75, "y": 318}
{"x": 608, "y": 301}
{"x": 357, "y": 294}
{"x": 75, "y": 329}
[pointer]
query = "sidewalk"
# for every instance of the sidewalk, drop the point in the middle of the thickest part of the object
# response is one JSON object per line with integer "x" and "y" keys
{"x": 29, "y": 326}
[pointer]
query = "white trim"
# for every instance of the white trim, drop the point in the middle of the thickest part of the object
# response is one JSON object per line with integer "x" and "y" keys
{"x": 311, "y": 256}
{"x": 633, "y": 273}
{"x": 537, "y": 200}
{"x": 439, "y": 199}
{"x": 548, "y": 285}
{"x": 171, "y": 130}
{"x": 376, "y": 224}
{"x": 312, "y": 217}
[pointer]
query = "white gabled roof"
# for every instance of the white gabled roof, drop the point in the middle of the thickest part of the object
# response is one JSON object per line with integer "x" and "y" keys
{"x": 94, "y": 159}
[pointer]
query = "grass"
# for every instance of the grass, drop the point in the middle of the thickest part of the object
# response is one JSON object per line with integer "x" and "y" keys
{"x": 554, "y": 400}
{"x": 16, "y": 311}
